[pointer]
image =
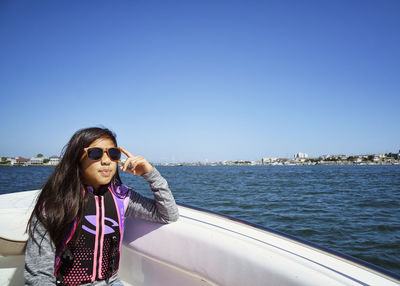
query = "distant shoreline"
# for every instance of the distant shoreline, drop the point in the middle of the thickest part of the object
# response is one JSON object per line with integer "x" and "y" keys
{"x": 299, "y": 159}
{"x": 222, "y": 165}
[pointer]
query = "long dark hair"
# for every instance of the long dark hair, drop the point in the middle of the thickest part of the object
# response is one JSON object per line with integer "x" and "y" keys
{"x": 62, "y": 199}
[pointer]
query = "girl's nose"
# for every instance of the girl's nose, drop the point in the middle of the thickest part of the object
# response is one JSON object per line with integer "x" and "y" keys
{"x": 105, "y": 159}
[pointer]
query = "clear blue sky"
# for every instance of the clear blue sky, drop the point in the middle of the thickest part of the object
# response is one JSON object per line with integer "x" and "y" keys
{"x": 202, "y": 80}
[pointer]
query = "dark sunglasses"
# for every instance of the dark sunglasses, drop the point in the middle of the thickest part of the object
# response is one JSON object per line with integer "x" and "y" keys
{"x": 95, "y": 153}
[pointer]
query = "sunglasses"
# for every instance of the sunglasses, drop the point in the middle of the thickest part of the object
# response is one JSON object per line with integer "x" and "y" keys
{"x": 96, "y": 153}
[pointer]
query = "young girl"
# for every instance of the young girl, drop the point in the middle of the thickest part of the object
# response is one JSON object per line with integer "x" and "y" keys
{"x": 76, "y": 228}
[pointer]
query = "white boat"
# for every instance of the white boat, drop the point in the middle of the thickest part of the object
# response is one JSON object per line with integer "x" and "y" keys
{"x": 201, "y": 248}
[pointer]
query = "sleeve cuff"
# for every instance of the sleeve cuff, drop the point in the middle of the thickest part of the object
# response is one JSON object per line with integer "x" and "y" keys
{"x": 152, "y": 176}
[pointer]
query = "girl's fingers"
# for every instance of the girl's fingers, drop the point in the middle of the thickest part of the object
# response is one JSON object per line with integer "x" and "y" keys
{"x": 126, "y": 152}
{"x": 126, "y": 164}
{"x": 138, "y": 164}
{"x": 133, "y": 161}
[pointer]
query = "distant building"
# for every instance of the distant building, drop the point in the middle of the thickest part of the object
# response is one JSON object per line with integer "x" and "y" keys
{"x": 36, "y": 160}
{"x": 301, "y": 156}
{"x": 376, "y": 158}
{"x": 11, "y": 160}
{"x": 265, "y": 161}
{"x": 54, "y": 161}
{"x": 359, "y": 159}
{"x": 20, "y": 160}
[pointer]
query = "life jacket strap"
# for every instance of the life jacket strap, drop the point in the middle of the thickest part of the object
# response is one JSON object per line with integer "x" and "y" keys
{"x": 113, "y": 264}
{"x": 67, "y": 259}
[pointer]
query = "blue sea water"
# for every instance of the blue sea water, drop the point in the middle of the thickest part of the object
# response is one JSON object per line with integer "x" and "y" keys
{"x": 351, "y": 209}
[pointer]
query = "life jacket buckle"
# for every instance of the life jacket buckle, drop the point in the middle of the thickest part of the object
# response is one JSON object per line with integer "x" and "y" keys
{"x": 67, "y": 257}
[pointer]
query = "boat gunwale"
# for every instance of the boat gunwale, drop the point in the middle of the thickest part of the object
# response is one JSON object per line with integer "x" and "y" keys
{"x": 348, "y": 258}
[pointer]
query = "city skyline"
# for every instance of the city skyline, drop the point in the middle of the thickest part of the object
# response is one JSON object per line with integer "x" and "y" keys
{"x": 187, "y": 81}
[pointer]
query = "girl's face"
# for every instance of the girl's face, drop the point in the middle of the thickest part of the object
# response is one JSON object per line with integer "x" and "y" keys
{"x": 100, "y": 172}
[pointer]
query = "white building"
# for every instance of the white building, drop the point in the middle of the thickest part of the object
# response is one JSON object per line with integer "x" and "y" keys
{"x": 54, "y": 161}
{"x": 36, "y": 160}
{"x": 12, "y": 160}
{"x": 301, "y": 156}
{"x": 265, "y": 161}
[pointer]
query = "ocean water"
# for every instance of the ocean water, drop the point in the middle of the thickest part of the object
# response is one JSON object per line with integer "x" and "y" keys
{"x": 351, "y": 209}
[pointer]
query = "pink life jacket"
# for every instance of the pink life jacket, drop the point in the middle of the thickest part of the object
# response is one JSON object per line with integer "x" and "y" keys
{"x": 96, "y": 254}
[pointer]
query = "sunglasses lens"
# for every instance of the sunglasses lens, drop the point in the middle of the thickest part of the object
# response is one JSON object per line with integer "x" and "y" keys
{"x": 94, "y": 153}
{"x": 114, "y": 153}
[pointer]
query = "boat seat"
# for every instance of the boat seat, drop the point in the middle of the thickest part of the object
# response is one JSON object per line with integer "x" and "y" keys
{"x": 11, "y": 247}
{"x": 13, "y": 234}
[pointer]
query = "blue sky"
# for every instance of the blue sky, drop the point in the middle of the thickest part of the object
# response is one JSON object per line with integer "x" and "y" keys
{"x": 202, "y": 80}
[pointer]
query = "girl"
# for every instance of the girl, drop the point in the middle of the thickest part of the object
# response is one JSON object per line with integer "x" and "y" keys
{"x": 75, "y": 230}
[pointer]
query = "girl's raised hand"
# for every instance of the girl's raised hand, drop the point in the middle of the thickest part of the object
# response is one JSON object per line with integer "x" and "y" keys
{"x": 138, "y": 165}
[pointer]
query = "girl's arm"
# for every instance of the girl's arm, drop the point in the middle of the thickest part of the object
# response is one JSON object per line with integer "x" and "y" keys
{"x": 162, "y": 209}
{"x": 39, "y": 263}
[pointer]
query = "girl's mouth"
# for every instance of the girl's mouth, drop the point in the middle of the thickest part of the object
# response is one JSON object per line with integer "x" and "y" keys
{"x": 105, "y": 173}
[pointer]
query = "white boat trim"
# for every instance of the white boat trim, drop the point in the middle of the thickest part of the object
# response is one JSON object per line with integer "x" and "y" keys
{"x": 335, "y": 254}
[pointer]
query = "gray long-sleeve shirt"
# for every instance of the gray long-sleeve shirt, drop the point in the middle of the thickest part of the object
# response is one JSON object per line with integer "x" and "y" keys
{"x": 39, "y": 265}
